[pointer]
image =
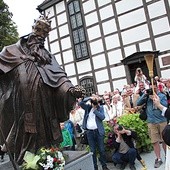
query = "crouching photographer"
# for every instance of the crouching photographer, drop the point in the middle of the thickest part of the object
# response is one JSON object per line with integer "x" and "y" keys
{"x": 155, "y": 121}
{"x": 125, "y": 151}
{"x": 93, "y": 124}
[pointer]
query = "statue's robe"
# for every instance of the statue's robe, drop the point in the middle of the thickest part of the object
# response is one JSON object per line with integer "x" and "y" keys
{"x": 34, "y": 99}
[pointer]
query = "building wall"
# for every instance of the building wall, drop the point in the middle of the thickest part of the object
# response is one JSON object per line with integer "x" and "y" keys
{"x": 115, "y": 30}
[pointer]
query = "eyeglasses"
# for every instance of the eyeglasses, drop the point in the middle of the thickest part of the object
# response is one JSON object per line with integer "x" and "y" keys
{"x": 107, "y": 99}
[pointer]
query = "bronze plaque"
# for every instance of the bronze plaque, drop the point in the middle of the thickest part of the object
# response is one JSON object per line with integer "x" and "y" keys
{"x": 166, "y": 60}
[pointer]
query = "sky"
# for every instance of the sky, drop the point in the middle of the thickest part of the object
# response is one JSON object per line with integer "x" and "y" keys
{"x": 24, "y": 13}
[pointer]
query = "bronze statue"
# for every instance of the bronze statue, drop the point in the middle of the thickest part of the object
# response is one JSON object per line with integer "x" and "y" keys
{"x": 35, "y": 93}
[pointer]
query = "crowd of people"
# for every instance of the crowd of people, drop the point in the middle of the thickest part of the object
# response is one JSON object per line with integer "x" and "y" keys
{"x": 90, "y": 112}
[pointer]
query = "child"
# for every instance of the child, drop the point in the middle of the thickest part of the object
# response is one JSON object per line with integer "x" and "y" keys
{"x": 67, "y": 139}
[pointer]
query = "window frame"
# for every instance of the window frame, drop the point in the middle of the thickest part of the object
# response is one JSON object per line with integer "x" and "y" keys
{"x": 80, "y": 46}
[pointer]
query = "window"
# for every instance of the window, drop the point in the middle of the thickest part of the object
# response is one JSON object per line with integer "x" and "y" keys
{"x": 88, "y": 84}
{"x": 78, "y": 31}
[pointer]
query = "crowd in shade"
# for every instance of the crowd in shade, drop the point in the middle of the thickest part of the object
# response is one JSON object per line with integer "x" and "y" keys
{"x": 115, "y": 104}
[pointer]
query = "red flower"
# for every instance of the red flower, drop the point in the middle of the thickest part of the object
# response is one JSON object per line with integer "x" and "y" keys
{"x": 52, "y": 149}
{"x": 54, "y": 159}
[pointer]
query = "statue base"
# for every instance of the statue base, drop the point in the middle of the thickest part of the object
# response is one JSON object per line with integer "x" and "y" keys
{"x": 75, "y": 160}
{"x": 79, "y": 160}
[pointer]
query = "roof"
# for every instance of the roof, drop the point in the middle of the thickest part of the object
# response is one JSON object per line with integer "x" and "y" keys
{"x": 138, "y": 57}
{"x": 46, "y": 4}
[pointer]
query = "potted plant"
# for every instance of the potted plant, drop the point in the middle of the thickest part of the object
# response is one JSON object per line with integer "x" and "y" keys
{"x": 132, "y": 121}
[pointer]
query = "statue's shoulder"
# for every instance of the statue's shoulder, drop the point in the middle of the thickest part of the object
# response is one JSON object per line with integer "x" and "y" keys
{"x": 11, "y": 50}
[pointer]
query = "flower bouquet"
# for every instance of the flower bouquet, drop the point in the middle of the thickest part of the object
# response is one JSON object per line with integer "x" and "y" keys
{"x": 45, "y": 159}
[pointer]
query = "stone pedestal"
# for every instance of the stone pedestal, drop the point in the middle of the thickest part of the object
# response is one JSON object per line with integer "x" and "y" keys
{"x": 79, "y": 160}
{"x": 76, "y": 160}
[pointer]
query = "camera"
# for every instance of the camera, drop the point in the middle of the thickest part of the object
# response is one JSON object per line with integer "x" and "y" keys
{"x": 120, "y": 127}
{"x": 101, "y": 102}
{"x": 149, "y": 91}
{"x": 94, "y": 102}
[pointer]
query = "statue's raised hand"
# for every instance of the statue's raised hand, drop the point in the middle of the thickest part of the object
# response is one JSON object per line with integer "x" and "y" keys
{"x": 78, "y": 91}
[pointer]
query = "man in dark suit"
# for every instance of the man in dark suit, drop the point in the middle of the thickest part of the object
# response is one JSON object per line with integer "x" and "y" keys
{"x": 93, "y": 124}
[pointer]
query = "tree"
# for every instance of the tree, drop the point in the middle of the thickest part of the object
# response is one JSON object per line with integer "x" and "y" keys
{"x": 8, "y": 28}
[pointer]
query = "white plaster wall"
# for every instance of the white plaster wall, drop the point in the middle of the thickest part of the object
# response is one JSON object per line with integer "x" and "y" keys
{"x": 96, "y": 47}
{"x": 99, "y": 61}
{"x": 117, "y": 74}
{"x": 91, "y": 18}
{"x": 163, "y": 43}
{"x": 46, "y": 45}
{"x": 94, "y": 32}
{"x": 146, "y": 46}
{"x": 109, "y": 26}
{"x": 106, "y": 12}
{"x": 60, "y": 7}
{"x": 53, "y": 35}
{"x": 49, "y": 12}
{"x": 148, "y": 0}
{"x": 68, "y": 56}
{"x": 160, "y": 26}
{"x": 73, "y": 81}
{"x": 58, "y": 58}
{"x": 156, "y": 9}
{"x": 70, "y": 69}
{"x": 133, "y": 35}
{"x": 54, "y": 47}
{"x": 124, "y": 6}
{"x": 65, "y": 43}
{"x": 103, "y": 87}
{"x": 53, "y": 23}
{"x": 88, "y": 6}
{"x": 119, "y": 84}
{"x": 101, "y": 75}
{"x": 115, "y": 56}
{"x": 112, "y": 41}
{"x": 62, "y": 18}
{"x": 132, "y": 18}
{"x": 63, "y": 30}
{"x": 165, "y": 74}
{"x": 103, "y": 2}
{"x": 83, "y": 66}
{"x": 130, "y": 50}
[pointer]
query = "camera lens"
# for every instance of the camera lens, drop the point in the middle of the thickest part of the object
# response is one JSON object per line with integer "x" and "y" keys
{"x": 120, "y": 128}
{"x": 94, "y": 102}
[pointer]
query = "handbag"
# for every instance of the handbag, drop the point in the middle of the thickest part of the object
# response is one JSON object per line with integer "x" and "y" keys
{"x": 143, "y": 114}
{"x": 83, "y": 138}
{"x": 78, "y": 128}
{"x": 142, "y": 111}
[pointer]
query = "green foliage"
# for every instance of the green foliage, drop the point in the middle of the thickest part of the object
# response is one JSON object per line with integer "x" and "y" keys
{"x": 133, "y": 122}
{"x": 8, "y": 29}
{"x": 108, "y": 126}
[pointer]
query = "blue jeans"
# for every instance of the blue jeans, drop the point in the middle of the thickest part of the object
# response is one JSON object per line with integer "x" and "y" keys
{"x": 96, "y": 141}
{"x": 129, "y": 156}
